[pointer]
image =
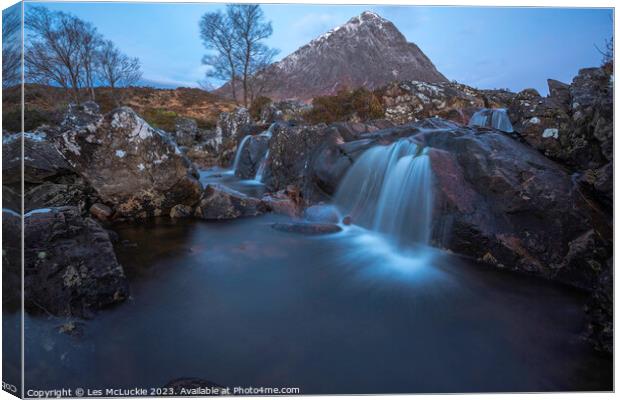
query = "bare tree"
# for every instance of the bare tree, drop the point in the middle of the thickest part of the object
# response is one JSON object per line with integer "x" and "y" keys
{"x": 217, "y": 33}
{"x": 11, "y": 46}
{"x": 91, "y": 42}
{"x": 55, "y": 53}
{"x": 117, "y": 69}
{"x": 250, "y": 29}
{"x": 607, "y": 52}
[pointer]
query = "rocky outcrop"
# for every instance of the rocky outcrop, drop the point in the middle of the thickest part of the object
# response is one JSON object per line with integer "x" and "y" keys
{"x": 41, "y": 159}
{"x": 133, "y": 167}
{"x": 49, "y": 194}
{"x": 410, "y": 101}
{"x": 496, "y": 195}
{"x": 574, "y": 126}
{"x": 219, "y": 202}
{"x": 286, "y": 110}
{"x": 70, "y": 268}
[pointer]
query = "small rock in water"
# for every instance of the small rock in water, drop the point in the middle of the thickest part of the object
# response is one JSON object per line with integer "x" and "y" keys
{"x": 322, "y": 213}
{"x": 72, "y": 328}
{"x": 307, "y": 228}
{"x": 101, "y": 211}
{"x": 347, "y": 220}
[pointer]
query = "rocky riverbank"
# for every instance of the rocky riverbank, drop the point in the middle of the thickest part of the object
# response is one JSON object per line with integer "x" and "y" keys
{"x": 536, "y": 198}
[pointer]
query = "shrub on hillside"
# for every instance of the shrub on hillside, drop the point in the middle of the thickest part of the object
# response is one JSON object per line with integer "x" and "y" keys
{"x": 359, "y": 104}
{"x": 159, "y": 118}
{"x": 257, "y": 106}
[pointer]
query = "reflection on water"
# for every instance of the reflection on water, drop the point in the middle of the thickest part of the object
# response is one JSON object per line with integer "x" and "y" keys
{"x": 239, "y": 303}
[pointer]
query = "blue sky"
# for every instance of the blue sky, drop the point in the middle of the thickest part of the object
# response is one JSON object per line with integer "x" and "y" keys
{"x": 485, "y": 47}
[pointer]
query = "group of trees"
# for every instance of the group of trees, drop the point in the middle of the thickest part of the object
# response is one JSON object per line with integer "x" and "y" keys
{"x": 63, "y": 50}
{"x": 11, "y": 46}
{"x": 238, "y": 55}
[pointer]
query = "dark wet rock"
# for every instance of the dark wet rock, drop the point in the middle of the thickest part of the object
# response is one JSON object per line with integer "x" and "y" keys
{"x": 49, "y": 194}
{"x": 11, "y": 259}
{"x": 219, "y": 202}
{"x": 41, "y": 160}
{"x": 290, "y": 152}
{"x": 287, "y": 201}
{"x": 101, "y": 211}
{"x": 11, "y": 197}
{"x": 350, "y": 131}
{"x": 70, "y": 265}
{"x": 132, "y": 166}
{"x": 251, "y": 156}
{"x": 186, "y": 131}
{"x": 496, "y": 195}
{"x": 307, "y": 228}
{"x": 599, "y": 182}
{"x": 181, "y": 211}
{"x": 585, "y": 260}
{"x": 322, "y": 213}
{"x": 600, "y": 310}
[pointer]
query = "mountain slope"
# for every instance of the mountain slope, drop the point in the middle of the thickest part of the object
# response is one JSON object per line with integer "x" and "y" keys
{"x": 366, "y": 51}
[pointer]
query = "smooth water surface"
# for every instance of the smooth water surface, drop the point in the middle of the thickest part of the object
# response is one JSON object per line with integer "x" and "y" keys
{"x": 241, "y": 304}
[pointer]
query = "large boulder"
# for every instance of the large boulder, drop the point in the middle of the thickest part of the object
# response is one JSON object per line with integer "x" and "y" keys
{"x": 499, "y": 196}
{"x": 70, "y": 268}
{"x": 50, "y": 194}
{"x": 135, "y": 168}
{"x": 185, "y": 131}
{"x": 229, "y": 127}
{"x": 41, "y": 159}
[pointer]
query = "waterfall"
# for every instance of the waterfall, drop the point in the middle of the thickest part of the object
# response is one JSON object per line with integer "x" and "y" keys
{"x": 496, "y": 118}
{"x": 261, "y": 167}
{"x": 238, "y": 153}
{"x": 388, "y": 189}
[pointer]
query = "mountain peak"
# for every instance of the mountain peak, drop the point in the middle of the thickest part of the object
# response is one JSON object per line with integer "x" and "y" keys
{"x": 368, "y": 50}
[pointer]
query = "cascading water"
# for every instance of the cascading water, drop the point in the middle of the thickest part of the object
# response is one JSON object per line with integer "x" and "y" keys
{"x": 238, "y": 153}
{"x": 496, "y": 118}
{"x": 388, "y": 189}
{"x": 261, "y": 167}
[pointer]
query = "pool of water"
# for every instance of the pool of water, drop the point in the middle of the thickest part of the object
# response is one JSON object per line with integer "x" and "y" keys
{"x": 241, "y": 304}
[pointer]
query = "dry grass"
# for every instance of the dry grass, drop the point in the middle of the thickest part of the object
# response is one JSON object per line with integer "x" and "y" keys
{"x": 160, "y": 107}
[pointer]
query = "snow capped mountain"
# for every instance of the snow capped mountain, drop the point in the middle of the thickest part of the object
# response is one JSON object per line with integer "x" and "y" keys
{"x": 367, "y": 51}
